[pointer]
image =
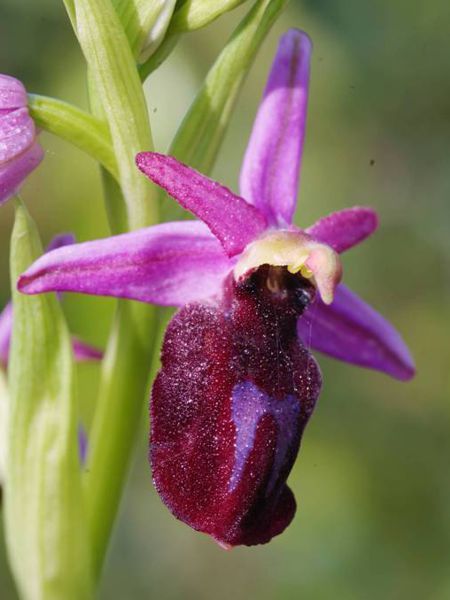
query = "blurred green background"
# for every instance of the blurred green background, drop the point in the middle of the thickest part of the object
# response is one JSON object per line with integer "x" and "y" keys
{"x": 372, "y": 480}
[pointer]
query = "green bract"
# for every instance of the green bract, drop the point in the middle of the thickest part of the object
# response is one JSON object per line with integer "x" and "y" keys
{"x": 194, "y": 14}
{"x": 145, "y": 23}
{"x": 74, "y": 125}
{"x": 45, "y": 517}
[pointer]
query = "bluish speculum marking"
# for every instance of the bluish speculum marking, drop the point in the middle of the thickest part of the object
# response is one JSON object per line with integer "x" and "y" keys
{"x": 249, "y": 406}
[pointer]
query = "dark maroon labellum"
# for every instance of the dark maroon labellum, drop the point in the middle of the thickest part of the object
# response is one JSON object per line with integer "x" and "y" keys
{"x": 229, "y": 406}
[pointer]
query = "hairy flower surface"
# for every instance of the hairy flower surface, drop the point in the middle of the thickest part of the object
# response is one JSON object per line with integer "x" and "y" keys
{"x": 237, "y": 384}
{"x": 20, "y": 153}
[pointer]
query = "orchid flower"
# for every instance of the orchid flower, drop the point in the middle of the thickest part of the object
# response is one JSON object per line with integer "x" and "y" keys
{"x": 82, "y": 351}
{"x": 237, "y": 384}
{"x": 20, "y": 153}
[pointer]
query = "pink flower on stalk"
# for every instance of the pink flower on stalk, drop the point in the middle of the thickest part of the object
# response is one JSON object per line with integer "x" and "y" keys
{"x": 20, "y": 153}
{"x": 237, "y": 384}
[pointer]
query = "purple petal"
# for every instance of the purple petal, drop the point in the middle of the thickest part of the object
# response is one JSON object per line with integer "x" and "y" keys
{"x": 85, "y": 352}
{"x": 17, "y": 133}
{"x": 15, "y": 171}
{"x": 352, "y": 331}
{"x": 169, "y": 264}
{"x": 234, "y": 222}
{"x": 270, "y": 172}
{"x": 5, "y": 332}
{"x": 343, "y": 229}
{"x": 12, "y": 93}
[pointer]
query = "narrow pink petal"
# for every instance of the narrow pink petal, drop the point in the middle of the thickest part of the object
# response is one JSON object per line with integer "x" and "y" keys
{"x": 170, "y": 264}
{"x": 17, "y": 133}
{"x": 85, "y": 352}
{"x": 343, "y": 229}
{"x": 15, "y": 171}
{"x": 6, "y": 320}
{"x": 12, "y": 93}
{"x": 352, "y": 331}
{"x": 270, "y": 172}
{"x": 234, "y": 222}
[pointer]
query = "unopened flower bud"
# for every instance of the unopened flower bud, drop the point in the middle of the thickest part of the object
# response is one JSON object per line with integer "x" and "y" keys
{"x": 20, "y": 153}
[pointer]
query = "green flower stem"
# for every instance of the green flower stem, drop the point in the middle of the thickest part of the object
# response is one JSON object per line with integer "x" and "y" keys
{"x": 113, "y": 197}
{"x": 76, "y": 126}
{"x": 113, "y": 69}
{"x": 116, "y": 93}
{"x": 125, "y": 380}
{"x": 118, "y": 414}
{"x": 45, "y": 517}
{"x": 122, "y": 396}
{"x": 114, "y": 203}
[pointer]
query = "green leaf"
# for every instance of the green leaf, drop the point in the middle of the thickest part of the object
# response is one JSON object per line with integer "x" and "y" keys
{"x": 113, "y": 69}
{"x": 194, "y": 14}
{"x": 46, "y": 525}
{"x": 75, "y": 126}
{"x": 202, "y": 131}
